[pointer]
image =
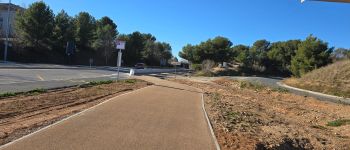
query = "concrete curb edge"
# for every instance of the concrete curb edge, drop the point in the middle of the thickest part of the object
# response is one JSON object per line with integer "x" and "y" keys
{"x": 340, "y": 99}
{"x": 209, "y": 124}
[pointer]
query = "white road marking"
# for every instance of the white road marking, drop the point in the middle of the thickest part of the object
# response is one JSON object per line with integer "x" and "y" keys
{"x": 40, "y": 78}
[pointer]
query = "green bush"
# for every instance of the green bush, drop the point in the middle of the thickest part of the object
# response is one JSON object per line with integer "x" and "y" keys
{"x": 95, "y": 83}
{"x": 130, "y": 81}
{"x": 197, "y": 67}
{"x": 338, "y": 123}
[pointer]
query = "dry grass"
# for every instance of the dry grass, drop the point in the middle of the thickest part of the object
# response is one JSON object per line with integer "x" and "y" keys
{"x": 333, "y": 79}
{"x": 249, "y": 117}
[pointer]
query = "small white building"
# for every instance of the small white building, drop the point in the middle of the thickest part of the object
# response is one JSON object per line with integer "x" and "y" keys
{"x": 4, "y": 17}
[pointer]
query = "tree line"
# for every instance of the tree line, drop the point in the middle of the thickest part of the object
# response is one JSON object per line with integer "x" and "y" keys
{"x": 42, "y": 36}
{"x": 295, "y": 57}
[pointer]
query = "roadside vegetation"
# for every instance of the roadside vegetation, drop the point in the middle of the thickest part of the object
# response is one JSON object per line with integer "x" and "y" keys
{"x": 304, "y": 60}
{"x": 95, "y": 83}
{"x": 333, "y": 79}
{"x": 283, "y": 58}
{"x": 338, "y": 123}
{"x": 31, "y": 92}
{"x": 248, "y": 116}
{"x": 44, "y": 37}
{"x": 87, "y": 85}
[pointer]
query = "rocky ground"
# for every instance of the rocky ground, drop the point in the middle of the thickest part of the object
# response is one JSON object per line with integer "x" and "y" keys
{"x": 247, "y": 116}
{"x": 23, "y": 114}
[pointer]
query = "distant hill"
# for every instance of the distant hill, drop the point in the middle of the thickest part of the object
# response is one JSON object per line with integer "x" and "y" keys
{"x": 333, "y": 79}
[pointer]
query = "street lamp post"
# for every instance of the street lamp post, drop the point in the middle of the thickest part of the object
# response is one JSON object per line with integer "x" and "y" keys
{"x": 7, "y": 31}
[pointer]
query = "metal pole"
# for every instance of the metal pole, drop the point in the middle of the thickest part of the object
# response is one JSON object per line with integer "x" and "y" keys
{"x": 175, "y": 71}
{"x": 119, "y": 63}
{"x": 7, "y": 31}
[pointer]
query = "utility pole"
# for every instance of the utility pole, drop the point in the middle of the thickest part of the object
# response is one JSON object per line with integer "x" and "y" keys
{"x": 7, "y": 31}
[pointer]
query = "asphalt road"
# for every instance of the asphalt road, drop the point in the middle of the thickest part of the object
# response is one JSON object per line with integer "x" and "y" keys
{"x": 25, "y": 79}
{"x": 164, "y": 116}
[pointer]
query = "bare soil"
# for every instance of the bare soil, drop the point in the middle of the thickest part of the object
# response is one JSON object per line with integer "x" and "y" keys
{"x": 23, "y": 114}
{"x": 261, "y": 118}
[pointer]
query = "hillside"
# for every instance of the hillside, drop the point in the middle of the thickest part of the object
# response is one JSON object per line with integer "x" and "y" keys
{"x": 333, "y": 79}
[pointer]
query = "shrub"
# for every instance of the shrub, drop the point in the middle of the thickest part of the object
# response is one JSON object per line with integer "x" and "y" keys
{"x": 196, "y": 67}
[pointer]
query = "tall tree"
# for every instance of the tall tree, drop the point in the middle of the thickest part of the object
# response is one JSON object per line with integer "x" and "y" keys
{"x": 134, "y": 46}
{"x": 104, "y": 42}
{"x": 242, "y": 55}
{"x": 104, "y": 21}
{"x": 35, "y": 26}
{"x": 281, "y": 54}
{"x": 156, "y": 53}
{"x": 311, "y": 54}
{"x": 217, "y": 49}
{"x": 105, "y": 35}
{"x": 258, "y": 53}
{"x": 85, "y": 27}
{"x": 222, "y": 49}
{"x": 188, "y": 53}
{"x": 63, "y": 31}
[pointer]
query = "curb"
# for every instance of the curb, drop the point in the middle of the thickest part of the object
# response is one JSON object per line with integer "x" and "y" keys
{"x": 334, "y": 98}
{"x": 217, "y": 146}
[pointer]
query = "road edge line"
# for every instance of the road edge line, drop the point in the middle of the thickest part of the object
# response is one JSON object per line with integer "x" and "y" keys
{"x": 209, "y": 124}
{"x": 69, "y": 117}
{"x": 341, "y": 99}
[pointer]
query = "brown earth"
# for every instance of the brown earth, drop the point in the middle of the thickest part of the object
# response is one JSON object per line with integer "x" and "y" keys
{"x": 23, "y": 114}
{"x": 262, "y": 118}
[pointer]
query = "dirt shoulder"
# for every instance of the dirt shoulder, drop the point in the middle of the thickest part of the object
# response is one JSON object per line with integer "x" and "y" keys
{"x": 252, "y": 117}
{"x": 24, "y": 114}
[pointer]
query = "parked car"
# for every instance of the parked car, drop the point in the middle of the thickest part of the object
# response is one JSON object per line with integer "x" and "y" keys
{"x": 140, "y": 66}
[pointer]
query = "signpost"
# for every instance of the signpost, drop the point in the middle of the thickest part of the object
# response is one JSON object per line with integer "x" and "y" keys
{"x": 7, "y": 31}
{"x": 120, "y": 46}
{"x": 175, "y": 65}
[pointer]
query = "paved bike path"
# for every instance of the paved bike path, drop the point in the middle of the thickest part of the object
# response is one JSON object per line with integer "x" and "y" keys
{"x": 164, "y": 116}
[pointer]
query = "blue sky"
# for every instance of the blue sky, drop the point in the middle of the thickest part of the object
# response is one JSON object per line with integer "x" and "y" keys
{"x": 181, "y": 22}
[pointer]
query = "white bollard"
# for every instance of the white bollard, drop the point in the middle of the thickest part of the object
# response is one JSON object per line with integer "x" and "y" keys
{"x": 132, "y": 72}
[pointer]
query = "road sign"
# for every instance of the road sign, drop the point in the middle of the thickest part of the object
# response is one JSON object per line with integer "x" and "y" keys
{"x": 176, "y": 63}
{"x": 120, "y": 44}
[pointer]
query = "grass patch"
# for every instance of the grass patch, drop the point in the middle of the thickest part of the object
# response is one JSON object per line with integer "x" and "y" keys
{"x": 216, "y": 97}
{"x": 338, "y": 123}
{"x": 204, "y": 74}
{"x": 32, "y": 92}
{"x": 319, "y": 127}
{"x": 280, "y": 90}
{"x": 130, "y": 81}
{"x": 96, "y": 83}
{"x": 9, "y": 94}
{"x": 333, "y": 79}
{"x": 36, "y": 91}
{"x": 251, "y": 85}
{"x": 231, "y": 115}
